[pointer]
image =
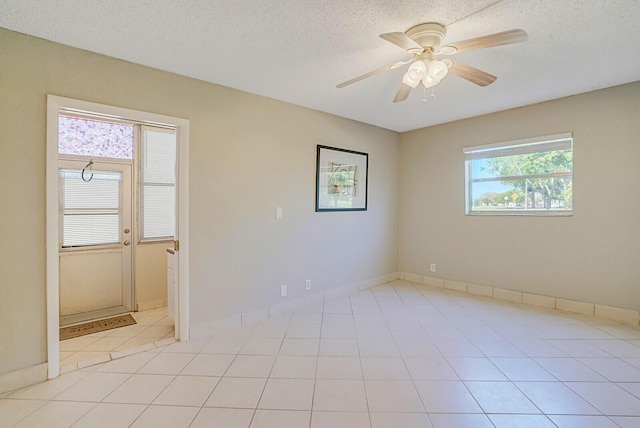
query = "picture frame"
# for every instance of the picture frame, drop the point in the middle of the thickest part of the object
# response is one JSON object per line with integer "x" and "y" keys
{"x": 341, "y": 179}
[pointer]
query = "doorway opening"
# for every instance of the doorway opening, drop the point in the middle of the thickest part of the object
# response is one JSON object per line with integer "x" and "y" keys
{"x": 112, "y": 212}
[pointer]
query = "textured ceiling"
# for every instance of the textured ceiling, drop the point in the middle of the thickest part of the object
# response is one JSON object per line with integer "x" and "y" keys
{"x": 298, "y": 50}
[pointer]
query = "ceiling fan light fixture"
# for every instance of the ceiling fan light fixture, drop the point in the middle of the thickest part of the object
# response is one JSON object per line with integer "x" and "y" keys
{"x": 407, "y": 80}
{"x": 429, "y": 82}
{"x": 437, "y": 70}
{"x": 417, "y": 71}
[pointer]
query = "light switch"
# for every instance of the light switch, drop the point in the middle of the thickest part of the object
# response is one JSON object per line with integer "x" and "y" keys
{"x": 278, "y": 213}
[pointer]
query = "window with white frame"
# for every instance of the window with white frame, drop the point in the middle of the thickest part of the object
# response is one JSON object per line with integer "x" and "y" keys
{"x": 525, "y": 177}
{"x": 157, "y": 183}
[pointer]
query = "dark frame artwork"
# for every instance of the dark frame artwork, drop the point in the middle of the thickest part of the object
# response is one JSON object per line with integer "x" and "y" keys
{"x": 341, "y": 179}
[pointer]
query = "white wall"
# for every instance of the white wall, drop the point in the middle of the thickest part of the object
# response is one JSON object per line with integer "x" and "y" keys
{"x": 248, "y": 155}
{"x": 593, "y": 256}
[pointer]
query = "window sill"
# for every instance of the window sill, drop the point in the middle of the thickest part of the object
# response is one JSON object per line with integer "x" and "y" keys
{"x": 528, "y": 213}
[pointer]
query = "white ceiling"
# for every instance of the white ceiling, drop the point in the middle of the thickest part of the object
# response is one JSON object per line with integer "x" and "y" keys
{"x": 298, "y": 50}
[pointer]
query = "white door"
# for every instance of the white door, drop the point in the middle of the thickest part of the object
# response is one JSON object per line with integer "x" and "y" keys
{"x": 96, "y": 237}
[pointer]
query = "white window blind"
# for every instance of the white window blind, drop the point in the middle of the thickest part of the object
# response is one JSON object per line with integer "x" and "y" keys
{"x": 157, "y": 183}
{"x": 90, "y": 209}
{"x": 520, "y": 147}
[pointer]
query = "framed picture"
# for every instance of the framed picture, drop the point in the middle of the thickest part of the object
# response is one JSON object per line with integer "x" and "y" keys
{"x": 341, "y": 179}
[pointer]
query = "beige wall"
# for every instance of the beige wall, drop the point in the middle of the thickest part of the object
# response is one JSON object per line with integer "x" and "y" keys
{"x": 248, "y": 155}
{"x": 593, "y": 256}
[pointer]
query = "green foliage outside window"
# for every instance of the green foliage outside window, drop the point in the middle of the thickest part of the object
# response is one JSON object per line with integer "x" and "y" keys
{"x": 527, "y": 180}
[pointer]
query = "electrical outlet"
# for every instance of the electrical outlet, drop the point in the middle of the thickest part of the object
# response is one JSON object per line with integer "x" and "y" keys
{"x": 432, "y": 267}
{"x": 283, "y": 291}
{"x": 307, "y": 284}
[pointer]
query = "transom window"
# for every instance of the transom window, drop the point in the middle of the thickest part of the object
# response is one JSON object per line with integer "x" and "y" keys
{"x": 524, "y": 177}
{"x": 93, "y": 137}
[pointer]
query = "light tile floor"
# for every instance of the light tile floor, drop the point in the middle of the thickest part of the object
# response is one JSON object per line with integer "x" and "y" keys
{"x": 151, "y": 327}
{"x": 399, "y": 355}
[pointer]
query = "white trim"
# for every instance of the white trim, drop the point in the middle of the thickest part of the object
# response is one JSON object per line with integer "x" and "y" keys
{"x": 151, "y": 304}
{"x": 530, "y": 212}
{"x": 182, "y": 230}
{"x": 52, "y": 240}
{"x": 54, "y": 105}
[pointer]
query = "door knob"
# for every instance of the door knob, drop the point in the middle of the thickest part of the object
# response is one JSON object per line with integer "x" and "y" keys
{"x": 126, "y": 243}
{"x": 127, "y": 231}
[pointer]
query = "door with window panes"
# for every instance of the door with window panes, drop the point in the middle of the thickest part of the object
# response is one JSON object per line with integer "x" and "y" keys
{"x": 95, "y": 237}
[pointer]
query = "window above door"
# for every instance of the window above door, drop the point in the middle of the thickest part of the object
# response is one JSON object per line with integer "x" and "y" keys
{"x": 92, "y": 137}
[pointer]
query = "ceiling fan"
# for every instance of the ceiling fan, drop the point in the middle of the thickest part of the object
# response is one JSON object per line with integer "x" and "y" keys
{"x": 424, "y": 42}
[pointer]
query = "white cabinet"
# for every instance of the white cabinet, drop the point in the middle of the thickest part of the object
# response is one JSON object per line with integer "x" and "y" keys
{"x": 172, "y": 298}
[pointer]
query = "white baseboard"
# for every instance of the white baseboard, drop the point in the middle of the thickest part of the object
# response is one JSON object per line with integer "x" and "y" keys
{"x": 23, "y": 377}
{"x": 151, "y": 304}
{"x": 412, "y": 277}
{"x": 610, "y": 312}
{"x": 508, "y": 295}
{"x": 287, "y": 306}
{"x": 567, "y": 305}
{"x": 480, "y": 290}
{"x": 434, "y": 282}
{"x": 374, "y": 282}
{"x": 627, "y": 316}
{"x": 455, "y": 285}
{"x": 538, "y": 300}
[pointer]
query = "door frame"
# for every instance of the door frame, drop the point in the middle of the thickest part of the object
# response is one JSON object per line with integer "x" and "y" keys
{"x": 55, "y": 105}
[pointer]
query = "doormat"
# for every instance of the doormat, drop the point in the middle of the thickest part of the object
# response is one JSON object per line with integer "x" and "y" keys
{"x": 96, "y": 326}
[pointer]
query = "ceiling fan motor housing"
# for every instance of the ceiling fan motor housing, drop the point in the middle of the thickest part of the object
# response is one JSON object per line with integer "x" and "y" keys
{"x": 427, "y": 35}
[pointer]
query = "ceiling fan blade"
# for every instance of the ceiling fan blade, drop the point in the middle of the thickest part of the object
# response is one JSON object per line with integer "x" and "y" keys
{"x": 374, "y": 72}
{"x": 403, "y": 93}
{"x": 492, "y": 40}
{"x": 472, "y": 74}
{"x": 403, "y": 41}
